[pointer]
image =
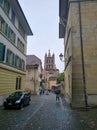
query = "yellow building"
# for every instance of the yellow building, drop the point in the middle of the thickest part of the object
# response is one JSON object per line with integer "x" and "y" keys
{"x": 78, "y": 27}
{"x": 52, "y": 81}
{"x": 13, "y": 43}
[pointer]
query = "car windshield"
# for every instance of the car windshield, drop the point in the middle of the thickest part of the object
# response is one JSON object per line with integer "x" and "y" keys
{"x": 16, "y": 94}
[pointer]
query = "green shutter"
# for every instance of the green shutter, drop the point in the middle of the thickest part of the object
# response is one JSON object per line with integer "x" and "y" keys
{"x": 0, "y": 23}
{"x": 2, "y": 51}
{"x": 7, "y": 56}
{"x": 13, "y": 59}
{"x": 6, "y": 30}
{"x": 1, "y": 1}
{"x": 14, "y": 37}
{"x": 8, "y": 7}
{"x": 9, "y": 31}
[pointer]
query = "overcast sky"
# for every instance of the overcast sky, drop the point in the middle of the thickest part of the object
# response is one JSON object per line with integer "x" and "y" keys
{"x": 43, "y": 17}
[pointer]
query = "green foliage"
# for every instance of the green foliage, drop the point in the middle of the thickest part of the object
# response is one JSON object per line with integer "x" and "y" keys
{"x": 60, "y": 78}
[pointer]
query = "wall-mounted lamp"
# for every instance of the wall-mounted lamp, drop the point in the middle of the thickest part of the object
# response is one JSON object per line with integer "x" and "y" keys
{"x": 63, "y": 22}
{"x": 61, "y": 57}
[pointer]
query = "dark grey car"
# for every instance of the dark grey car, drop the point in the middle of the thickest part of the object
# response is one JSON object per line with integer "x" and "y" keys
{"x": 17, "y": 99}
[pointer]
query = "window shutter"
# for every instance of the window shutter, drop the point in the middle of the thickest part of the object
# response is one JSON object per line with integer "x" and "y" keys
{"x": 14, "y": 38}
{"x": 2, "y": 51}
{"x": 7, "y": 56}
{"x": 13, "y": 59}
{"x": 0, "y": 23}
{"x": 1, "y": 1}
{"x": 6, "y": 30}
{"x": 8, "y": 7}
{"x": 9, "y": 32}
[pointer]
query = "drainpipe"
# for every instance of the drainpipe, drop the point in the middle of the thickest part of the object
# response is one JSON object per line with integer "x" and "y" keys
{"x": 82, "y": 56}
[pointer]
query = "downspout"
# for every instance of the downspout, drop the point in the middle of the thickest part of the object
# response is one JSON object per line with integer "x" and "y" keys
{"x": 82, "y": 56}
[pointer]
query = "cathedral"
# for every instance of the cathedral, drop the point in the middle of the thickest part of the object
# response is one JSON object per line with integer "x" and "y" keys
{"x": 50, "y": 72}
{"x": 49, "y": 62}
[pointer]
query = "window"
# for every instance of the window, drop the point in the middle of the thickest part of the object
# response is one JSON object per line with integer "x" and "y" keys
{"x": 12, "y": 36}
{"x": 23, "y": 65}
{"x": 13, "y": 17}
{"x": 2, "y": 51}
{"x": 21, "y": 30}
{"x": 3, "y": 26}
{"x": 9, "y": 57}
{"x": 17, "y": 61}
{"x": 6, "y": 6}
{"x": 18, "y": 83}
{"x": 20, "y": 45}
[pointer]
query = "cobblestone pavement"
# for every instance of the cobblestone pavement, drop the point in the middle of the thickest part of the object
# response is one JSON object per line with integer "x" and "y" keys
{"x": 56, "y": 116}
{"x": 44, "y": 113}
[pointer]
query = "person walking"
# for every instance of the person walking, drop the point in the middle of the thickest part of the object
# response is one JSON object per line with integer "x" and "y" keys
{"x": 57, "y": 92}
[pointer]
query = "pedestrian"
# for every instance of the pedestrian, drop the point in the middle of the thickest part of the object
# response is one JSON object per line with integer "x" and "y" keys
{"x": 57, "y": 92}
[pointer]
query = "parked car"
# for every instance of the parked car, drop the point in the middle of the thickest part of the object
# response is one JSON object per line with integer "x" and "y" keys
{"x": 17, "y": 99}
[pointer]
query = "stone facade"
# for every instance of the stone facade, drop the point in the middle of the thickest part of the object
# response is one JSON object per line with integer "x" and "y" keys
{"x": 80, "y": 45}
{"x": 33, "y": 72}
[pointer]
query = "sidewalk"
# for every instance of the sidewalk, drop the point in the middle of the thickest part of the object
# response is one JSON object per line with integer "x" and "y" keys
{"x": 59, "y": 116}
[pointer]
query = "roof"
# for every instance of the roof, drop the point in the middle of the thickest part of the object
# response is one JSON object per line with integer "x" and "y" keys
{"x": 43, "y": 71}
{"x": 32, "y": 60}
{"x": 63, "y": 15}
{"x": 20, "y": 15}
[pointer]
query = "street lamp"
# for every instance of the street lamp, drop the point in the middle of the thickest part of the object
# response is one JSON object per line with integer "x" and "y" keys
{"x": 61, "y": 56}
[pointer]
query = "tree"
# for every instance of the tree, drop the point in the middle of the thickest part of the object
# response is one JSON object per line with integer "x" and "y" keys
{"x": 60, "y": 78}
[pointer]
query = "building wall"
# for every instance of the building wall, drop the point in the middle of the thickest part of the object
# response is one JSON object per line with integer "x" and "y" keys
{"x": 89, "y": 39}
{"x": 52, "y": 83}
{"x": 33, "y": 80}
{"x": 8, "y": 82}
{"x": 11, "y": 67}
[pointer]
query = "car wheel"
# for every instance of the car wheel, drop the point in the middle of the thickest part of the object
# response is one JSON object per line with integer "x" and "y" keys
{"x": 21, "y": 105}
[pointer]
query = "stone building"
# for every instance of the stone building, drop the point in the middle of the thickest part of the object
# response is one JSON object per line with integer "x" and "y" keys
{"x": 33, "y": 73}
{"x": 14, "y": 30}
{"x": 78, "y": 27}
{"x": 50, "y": 70}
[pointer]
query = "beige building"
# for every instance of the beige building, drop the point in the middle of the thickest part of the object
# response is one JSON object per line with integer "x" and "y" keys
{"x": 14, "y": 30}
{"x": 78, "y": 27}
{"x": 33, "y": 73}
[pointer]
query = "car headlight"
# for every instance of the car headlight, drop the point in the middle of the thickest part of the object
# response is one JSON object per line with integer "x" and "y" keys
{"x": 18, "y": 101}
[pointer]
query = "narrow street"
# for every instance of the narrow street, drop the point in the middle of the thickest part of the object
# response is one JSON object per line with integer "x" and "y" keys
{"x": 44, "y": 113}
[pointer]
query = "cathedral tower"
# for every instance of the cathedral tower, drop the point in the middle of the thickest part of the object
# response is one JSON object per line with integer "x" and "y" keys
{"x": 49, "y": 61}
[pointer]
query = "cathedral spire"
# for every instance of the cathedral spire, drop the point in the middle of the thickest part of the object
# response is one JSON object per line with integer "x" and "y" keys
{"x": 49, "y": 54}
